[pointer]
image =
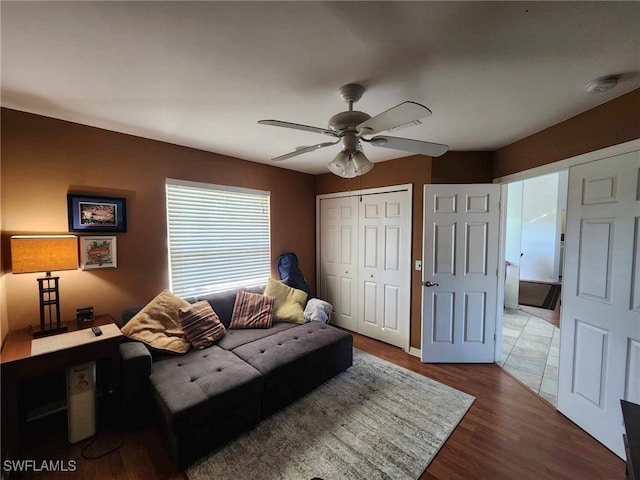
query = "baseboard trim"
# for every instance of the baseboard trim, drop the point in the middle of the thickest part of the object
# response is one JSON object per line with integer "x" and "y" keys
{"x": 416, "y": 352}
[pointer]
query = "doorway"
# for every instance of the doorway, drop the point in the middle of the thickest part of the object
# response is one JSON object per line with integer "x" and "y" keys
{"x": 534, "y": 253}
{"x": 534, "y": 241}
{"x": 599, "y": 352}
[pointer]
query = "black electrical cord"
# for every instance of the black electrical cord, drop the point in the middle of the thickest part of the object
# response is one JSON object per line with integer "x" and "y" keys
{"x": 102, "y": 454}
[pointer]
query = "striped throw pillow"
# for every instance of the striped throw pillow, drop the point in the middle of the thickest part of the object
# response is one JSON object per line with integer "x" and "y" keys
{"x": 252, "y": 310}
{"x": 201, "y": 324}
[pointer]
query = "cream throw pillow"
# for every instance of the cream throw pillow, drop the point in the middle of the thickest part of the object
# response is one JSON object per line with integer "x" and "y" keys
{"x": 158, "y": 324}
{"x": 289, "y": 303}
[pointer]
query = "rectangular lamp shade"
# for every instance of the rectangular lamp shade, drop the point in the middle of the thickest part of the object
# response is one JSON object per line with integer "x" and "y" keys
{"x": 43, "y": 253}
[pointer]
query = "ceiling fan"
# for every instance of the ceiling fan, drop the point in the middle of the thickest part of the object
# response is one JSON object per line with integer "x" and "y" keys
{"x": 353, "y": 127}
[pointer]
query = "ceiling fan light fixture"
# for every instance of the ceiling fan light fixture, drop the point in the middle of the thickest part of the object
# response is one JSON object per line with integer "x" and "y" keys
{"x": 342, "y": 166}
{"x": 361, "y": 163}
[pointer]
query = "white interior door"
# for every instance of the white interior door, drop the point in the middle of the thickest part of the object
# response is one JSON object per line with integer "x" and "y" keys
{"x": 339, "y": 258}
{"x": 460, "y": 262}
{"x": 385, "y": 263}
{"x": 600, "y": 325}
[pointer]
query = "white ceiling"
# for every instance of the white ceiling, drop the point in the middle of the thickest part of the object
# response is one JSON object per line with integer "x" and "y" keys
{"x": 201, "y": 74}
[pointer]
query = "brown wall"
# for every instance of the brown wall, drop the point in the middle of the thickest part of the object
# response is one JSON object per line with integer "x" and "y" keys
{"x": 43, "y": 159}
{"x": 462, "y": 167}
{"x": 418, "y": 170}
{"x": 611, "y": 123}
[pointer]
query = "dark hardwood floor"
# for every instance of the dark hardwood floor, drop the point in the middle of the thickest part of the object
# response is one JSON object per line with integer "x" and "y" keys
{"x": 508, "y": 433}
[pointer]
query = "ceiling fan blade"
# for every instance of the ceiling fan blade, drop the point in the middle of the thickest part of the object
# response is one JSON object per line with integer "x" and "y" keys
{"x": 408, "y": 145}
{"x": 407, "y": 112}
{"x": 303, "y": 150}
{"x": 297, "y": 126}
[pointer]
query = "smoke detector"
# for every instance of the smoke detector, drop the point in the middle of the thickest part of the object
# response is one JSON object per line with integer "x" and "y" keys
{"x": 602, "y": 84}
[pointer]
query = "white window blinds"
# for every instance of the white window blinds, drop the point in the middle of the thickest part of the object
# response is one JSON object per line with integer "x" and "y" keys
{"x": 218, "y": 237}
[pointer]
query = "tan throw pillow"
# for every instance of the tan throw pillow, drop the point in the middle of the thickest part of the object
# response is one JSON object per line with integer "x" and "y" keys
{"x": 252, "y": 310}
{"x": 289, "y": 305}
{"x": 201, "y": 324}
{"x": 157, "y": 324}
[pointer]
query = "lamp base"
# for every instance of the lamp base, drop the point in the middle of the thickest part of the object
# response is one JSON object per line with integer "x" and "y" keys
{"x": 46, "y": 331}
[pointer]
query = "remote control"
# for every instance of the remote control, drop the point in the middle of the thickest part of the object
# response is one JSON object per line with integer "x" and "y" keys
{"x": 96, "y": 331}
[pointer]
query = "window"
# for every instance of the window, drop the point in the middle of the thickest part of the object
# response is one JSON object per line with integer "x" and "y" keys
{"x": 218, "y": 237}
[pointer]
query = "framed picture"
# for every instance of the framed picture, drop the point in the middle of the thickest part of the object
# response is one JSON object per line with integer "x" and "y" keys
{"x": 98, "y": 252}
{"x": 96, "y": 214}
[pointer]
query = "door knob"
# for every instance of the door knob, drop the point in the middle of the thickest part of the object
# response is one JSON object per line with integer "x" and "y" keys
{"x": 429, "y": 284}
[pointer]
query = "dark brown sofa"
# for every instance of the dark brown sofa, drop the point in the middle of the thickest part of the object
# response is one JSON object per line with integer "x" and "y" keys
{"x": 206, "y": 397}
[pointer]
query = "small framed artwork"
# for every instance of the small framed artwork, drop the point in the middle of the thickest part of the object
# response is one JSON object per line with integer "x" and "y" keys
{"x": 96, "y": 214}
{"x": 98, "y": 252}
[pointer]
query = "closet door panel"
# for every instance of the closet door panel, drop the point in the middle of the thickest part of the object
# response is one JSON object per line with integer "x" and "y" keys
{"x": 391, "y": 308}
{"x": 370, "y": 248}
{"x": 338, "y": 258}
{"x": 392, "y": 235}
{"x": 370, "y": 310}
{"x": 394, "y": 273}
{"x": 371, "y": 245}
{"x": 385, "y": 231}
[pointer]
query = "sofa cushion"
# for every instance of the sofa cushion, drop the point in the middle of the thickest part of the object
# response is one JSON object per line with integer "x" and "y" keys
{"x": 205, "y": 398}
{"x": 157, "y": 324}
{"x": 222, "y": 303}
{"x": 289, "y": 302}
{"x": 200, "y": 324}
{"x": 201, "y": 382}
{"x": 295, "y": 361}
{"x": 235, "y": 338}
{"x": 135, "y": 362}
{"x": 252, "y": 310}
{"x": 128, "y": 313}
{"x": 289, "y": 347}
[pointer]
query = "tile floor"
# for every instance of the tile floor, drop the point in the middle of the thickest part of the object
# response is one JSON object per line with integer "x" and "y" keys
{"x": 530, "y": 349}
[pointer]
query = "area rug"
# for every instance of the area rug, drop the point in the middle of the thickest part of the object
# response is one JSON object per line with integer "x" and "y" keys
{"x": 375, "y": 421}
{"x": 541, "y": 295}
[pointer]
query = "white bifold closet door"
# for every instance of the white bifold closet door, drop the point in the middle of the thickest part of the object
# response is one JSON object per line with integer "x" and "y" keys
{"x": 339, "y": 258}
{"x": 365, "y": 263}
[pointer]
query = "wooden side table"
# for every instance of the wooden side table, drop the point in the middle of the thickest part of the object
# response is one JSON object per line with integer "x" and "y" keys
{"x": 23, "y": 358}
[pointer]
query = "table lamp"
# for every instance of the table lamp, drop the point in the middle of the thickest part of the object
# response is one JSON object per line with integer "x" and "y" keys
{"x": 45, "y": 253}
